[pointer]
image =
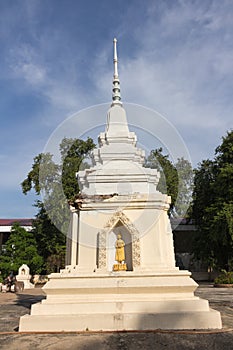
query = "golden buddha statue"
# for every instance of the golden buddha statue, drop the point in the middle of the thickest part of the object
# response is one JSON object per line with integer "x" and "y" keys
{"x": 120, "y": 255}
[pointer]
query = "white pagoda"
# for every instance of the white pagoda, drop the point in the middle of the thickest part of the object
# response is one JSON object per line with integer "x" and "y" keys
{"x": 95, "y": 291}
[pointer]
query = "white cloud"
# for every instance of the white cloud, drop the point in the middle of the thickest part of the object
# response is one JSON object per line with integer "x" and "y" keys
{"x": 59, "y": 84}
{"x": 25, "y": 65}
{"x": 33, "y": 75}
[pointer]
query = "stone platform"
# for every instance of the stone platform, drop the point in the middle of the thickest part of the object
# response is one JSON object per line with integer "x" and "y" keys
{"x": 121, "y": 301}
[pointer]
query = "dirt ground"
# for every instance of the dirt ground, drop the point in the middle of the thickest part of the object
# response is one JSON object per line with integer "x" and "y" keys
{"x": 12, "y": 306}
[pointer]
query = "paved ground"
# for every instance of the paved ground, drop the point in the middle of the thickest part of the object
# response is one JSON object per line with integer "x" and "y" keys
{"x": 13, "y": 306}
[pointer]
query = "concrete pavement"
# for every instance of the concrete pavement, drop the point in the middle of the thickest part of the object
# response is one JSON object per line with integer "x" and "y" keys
{"x": 12, "y": 306}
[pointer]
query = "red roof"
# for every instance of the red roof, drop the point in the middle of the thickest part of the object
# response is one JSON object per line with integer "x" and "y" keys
{"x": 10, "y": 222}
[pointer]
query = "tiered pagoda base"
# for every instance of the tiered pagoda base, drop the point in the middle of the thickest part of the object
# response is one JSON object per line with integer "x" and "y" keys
{"x": 120, "y": 301}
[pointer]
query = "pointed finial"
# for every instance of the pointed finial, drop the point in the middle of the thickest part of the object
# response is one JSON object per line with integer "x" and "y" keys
{"x": 116, "y": 91}
{"x": 115, "y": 58}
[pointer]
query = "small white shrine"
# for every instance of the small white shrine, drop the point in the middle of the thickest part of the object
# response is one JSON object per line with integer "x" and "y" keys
{"x": 24, "y": 276}
{"x": 120, "y": 272}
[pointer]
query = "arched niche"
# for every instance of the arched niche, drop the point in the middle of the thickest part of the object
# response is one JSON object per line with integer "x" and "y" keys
{"x": 119, "y": 223}
{"x": 119, "y": 228}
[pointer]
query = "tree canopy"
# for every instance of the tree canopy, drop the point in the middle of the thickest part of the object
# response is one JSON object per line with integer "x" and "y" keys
{"x": 45, "y": 174}
{"x": 59, "y": 186}
{"x": 20, "y": 248}
{"x": 185, "y": 187}
{"x": 73, "y": 153}
{"x": 175, "y": 179}
{"x": 213, "y": 207}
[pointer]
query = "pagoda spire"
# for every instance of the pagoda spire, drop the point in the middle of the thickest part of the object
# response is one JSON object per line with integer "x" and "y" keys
{"x": 116, "y": 91}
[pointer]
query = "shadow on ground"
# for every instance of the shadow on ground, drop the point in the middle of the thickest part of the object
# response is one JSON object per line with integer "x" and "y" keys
{"x": 27, "y": 300}
{"x": 15, "y": 305}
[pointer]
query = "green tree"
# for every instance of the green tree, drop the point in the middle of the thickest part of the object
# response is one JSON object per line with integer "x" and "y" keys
{"x": 185, "y": 187}
{"x": 213, "y": 207}
{"x": 168, "y": 182}
{"x": 56, "y": 261}
{"x": 44, "y": 172}
{"x": 47, "y": 176}
{"x": 50, "y": 241}
{"x": 175, "y": 179}
{"x": 20, "y": 248}
{"x": 73, "y": 152}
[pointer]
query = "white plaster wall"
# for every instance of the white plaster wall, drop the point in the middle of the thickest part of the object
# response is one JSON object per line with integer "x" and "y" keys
{"x": 153, "y": 226}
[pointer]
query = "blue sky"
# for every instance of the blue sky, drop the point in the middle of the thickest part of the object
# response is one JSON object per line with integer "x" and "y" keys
{"x": 56, "y": 58}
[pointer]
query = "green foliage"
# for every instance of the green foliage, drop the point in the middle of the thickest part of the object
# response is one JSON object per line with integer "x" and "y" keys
{"x": 49, "y": 240}
{"x": 56, "y": 260}
{"x": 168, "y": 182}
{"x": 175, "y": 179}
{"x": 46, "y": 174}
{"x": 20, "y": 249}
{"x": 213, "y": 207}
{"x": 44, "y": 171}
{"x": 59, "y": 186}
{"x": 73, "y": 152}
{"x": 226, "y": 277}
{"x": 185, "y": 187}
